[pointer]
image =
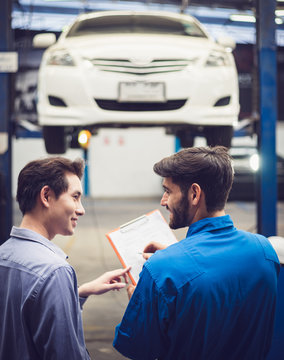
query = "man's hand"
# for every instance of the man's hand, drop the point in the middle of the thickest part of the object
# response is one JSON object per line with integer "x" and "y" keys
{"x": 151, "y": 248}
{"x": 130, "y": 290}
{"x": 110, "y": 280}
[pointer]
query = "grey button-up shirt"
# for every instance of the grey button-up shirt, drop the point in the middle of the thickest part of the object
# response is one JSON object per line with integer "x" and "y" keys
{"x": 40, "y": 312}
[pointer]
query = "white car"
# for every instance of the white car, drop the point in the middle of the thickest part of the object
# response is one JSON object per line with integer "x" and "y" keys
{"x": 147, "y": 68}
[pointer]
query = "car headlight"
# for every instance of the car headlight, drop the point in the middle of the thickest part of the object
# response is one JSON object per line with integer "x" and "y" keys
{"x": 254, "y": 162}
{"x": 217, "y": 58}
{"x": 60, "y": 57}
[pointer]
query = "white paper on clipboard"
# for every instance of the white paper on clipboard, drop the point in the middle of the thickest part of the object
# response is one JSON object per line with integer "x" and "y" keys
{"x": 130, "y": 239}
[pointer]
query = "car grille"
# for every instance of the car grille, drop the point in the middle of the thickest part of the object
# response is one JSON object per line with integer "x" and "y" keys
{"x": 153, "y": 67}
{"x": 140, "y": 106}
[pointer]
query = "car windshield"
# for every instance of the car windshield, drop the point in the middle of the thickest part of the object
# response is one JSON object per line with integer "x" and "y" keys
{"x": 138, "y": 24}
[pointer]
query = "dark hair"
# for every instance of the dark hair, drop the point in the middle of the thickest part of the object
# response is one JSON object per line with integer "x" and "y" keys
{"x": 48, "y": 171}
{"x": 209, "y": 167}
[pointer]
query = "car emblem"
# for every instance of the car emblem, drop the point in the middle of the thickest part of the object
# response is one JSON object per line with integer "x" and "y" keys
{"x": 141, "y": 61}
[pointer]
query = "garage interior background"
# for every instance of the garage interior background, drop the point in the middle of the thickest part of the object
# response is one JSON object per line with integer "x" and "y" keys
{"x": 120, "y": 161}
{"x": 115, "y": 154}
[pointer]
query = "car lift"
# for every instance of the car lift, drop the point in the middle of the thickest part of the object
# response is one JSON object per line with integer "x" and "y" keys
{"x": 5, "y": 125}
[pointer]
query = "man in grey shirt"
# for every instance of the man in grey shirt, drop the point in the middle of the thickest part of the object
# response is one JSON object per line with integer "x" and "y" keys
{"x": 40, "y": 302}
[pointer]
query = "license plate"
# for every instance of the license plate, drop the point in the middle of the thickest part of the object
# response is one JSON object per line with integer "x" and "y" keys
{"x": 141, "y": 92}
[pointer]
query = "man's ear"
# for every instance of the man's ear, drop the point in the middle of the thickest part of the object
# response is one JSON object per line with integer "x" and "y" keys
{"x": 44, "y": 196}
{"x": 195, "y": 193}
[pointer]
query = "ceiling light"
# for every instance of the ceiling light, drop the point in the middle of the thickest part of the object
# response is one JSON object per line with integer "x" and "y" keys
{"x": 251, "y": 18}
{"x": 279, "y": 12}
{"x": 242, "y": 18}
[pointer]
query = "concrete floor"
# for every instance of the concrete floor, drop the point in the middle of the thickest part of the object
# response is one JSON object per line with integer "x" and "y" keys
{"x": 91, "y": 254}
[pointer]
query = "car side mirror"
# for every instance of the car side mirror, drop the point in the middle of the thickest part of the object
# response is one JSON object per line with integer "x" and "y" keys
{"x": 227, "y": 42}
{"x": 44, "y": 40}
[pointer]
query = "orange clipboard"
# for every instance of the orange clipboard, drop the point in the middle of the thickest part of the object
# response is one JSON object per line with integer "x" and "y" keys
{"x": 130, "y": 239}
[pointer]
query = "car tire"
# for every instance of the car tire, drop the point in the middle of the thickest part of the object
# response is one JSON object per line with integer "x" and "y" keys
{"x": 219, "y": 135}
{"x": 186, "y": 138}
{"x": 55, "y": 139}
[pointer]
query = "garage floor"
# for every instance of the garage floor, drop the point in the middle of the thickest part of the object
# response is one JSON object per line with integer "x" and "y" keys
{"x": 91, "y": 254}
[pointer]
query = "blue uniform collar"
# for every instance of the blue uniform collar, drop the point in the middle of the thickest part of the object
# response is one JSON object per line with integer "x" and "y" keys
{"x": 209, "y": 224}
{"x": 26, "y": 234}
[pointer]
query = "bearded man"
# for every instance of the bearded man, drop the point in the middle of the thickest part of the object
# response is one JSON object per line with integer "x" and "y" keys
{"x": 212, "y": 295}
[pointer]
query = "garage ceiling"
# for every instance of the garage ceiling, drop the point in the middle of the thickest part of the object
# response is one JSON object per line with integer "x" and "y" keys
{"x": 52, "y": 15}
{"x": 230, "y": 4}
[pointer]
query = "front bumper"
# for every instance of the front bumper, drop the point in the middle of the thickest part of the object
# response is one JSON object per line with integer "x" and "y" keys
{"x": 83, "y": 91}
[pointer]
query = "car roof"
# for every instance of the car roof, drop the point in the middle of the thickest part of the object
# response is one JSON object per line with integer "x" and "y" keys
{"x": 163, "y": 13}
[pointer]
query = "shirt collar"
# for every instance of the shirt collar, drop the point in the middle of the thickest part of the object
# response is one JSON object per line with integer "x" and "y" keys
{"x": 209, "y": 224}
{"x": 26, "y": 234}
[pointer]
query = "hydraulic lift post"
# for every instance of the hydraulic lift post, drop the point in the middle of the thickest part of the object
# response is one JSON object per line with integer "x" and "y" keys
{"x": 6, "y": 59}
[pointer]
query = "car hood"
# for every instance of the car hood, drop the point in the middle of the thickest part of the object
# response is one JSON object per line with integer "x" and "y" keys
{"x": 123, "y": 46}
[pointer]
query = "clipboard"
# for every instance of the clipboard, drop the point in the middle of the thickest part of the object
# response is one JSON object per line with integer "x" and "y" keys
{"x": 130, "y": 239}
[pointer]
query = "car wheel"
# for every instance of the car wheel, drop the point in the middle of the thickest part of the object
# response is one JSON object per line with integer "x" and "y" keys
{"x": 219, "y": 135}
{"x": 186, "y": 138}
{"x": 55, "y": 139}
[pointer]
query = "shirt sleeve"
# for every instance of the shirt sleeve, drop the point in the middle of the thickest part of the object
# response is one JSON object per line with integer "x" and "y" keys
{"x": 53, "y": 317}
{"x": 142, "y": 333}
{"x": 82, "y": 301}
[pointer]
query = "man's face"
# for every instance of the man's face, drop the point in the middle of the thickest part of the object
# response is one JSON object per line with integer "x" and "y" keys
{"x": 177, "y": 204}
{"x": 65, "y": 210}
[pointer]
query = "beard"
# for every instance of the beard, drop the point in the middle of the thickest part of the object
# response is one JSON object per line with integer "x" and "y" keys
{"x": 179, "y": 214}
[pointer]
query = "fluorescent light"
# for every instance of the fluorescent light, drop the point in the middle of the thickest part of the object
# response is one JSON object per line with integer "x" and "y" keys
{"x": 242, "y": 18}
{"x": 279, "y": 12}
{"x": 251, "y": 18}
